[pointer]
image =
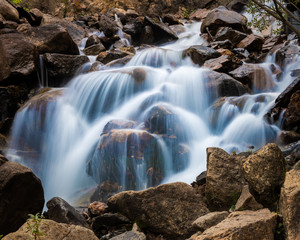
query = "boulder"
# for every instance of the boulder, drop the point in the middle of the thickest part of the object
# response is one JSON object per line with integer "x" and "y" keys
{"x": 8, "y": 11}
{"x": 18, "y": 58}
{"x": 108, "y": 26}
{"x": 252, "y": 43}
{"x": 94, "y": 50}
{"x": 109, "y": 41}
{"x": 62, "y": 212}
{"x": 247, "y": 201}
{"x": 52, "y": 38}
{"x": 224, "y": 64}
{"x": 53, "y": 231}
{"x": 119, "y": 124}
{"x": 291, "y": 117}
{"x": 147, "y": 35}
{"x": 222, "y": 85}
{"x": 221, "y": 17}
{"x": 134, "y": 29}
{"x": 224, "y": 179}
{"x": 264, "y": 171}
{"x": 162, "y": 33}
{"x": 234, "y": 36}
{"x": 287, "y": 137}
{"x": 2, "y": 159}
{"x": 170, "y": 19}
{"x": 61, "y": 67}
{"x": 130, "y": 235}
{"x": 199, "y": 54}
{"x": 245, "y": 225}
{"x": 209, "y": 220}
{"x": 97, "y": 208}
{"x": 289, "y": 204}
{"x": 294, "y": 157}
{"x": 286, "y": 55}
{"x": 92, "y": 40}
{"x": 108, "y": 56}
{"x": 237, "y": 5}
{"x": 199, "y": 14}
{"x": 21, "y": 193}
{"x": 168, "y": 209}
{"x": 271, "y": 42}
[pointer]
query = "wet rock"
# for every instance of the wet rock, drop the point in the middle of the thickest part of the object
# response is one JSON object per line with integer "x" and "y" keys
{"x": 245, "y": 225}
{"x": 264, "y": 171}
{"x": 221, "y": 17}
{"x": 201, "y": 178}
{"x": 139, "y": 75}
{"x": 286, "y": 54}
{"x": 162, "y": 33}
{"x": 119, "y": 124}
{"x": 168, "y": 209}
{"x": 53, "y": 231}
{"x": 18, "y": 58}
{"x": 94, "y": 50}
{"x": 199, "y": 54}
{"x": 97, "y": 208}
{"x": 291, "y": 117}
{"x": 108, "y": 26}
{"x": 108, "y": 56}
{"x": 62, "y": 212}
{"x": 109, "y": 41}
{"x": 209, "y": 220}
{"x": 234, "y": 36}
{"x": 294, "y": 156}
{"x": 61, "y": 67}
{"x": 247, "y": 201}
{"x": 92, "y": 40}
{"x": 21, "y": 193}
{"x": 120, "y": 62}
{"x": 8, "y": 11}
{"x": 221, "y": 85}
{"x": 52, "y": 38}
{"x": 287, "y": 137}
{"x": 251, "y": 43}
{"x": 289, "y": 204}
{"x": 271, "y": 42}
{"x": 147, "y": 36}
{"x": 105, "y": 190}
{"x": 134, "y": 29}
{"x": 224, "y": 64}
{"x": 224, "y": 179}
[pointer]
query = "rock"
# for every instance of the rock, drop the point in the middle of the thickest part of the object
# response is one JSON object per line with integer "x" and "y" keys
{"x": 18, "y": 58}
{"x": 224, "y": 63}
{"x": 130, "y": 235}
{"x": 245, "y": 225}
{"x": 199, "y": 14}
{"x": 21, "y": 193}
{"x": 170, "y": 20}
{"x": 251, "y": 43}
{"x": 147, "y": 36}
{"x": 201, "y": 179}
{"x": 2, "y": 160}
{"x": 8, "y": 11}
{"x": 291, "y": 117}
{"x": 162, "y": 33}
{"x": 289, "y": 204}
{"x": 286, "y": 54}
{"x": 168, "y": 209}
{"x": 62, "y": 212}
{"x": 94, "y": 50}
{"x": 234, "y": 36}
{"x": 221, "y": 17}
{"x": 287, "y": 137}
{"x": 237, "y": 5}
{"x": 199, "y": 54}
{"x": 52, "y": 38}
{"x": 247, "y": 201}
{"x": 256, "y": 77}
{"x": 264, "y": 171}
{"x": 119, "y": 124}
{"x": 294, "y": 156}
{"x": 109, "y": 41}
{"x": 134, "y": 29}
{"x": 108, "y": 56}
{"x": 105, "y": 190}
{"x": 120, "y": 62}
{"x": 221, "y": 85}
{"x": 108, "y": 26}
{"x": 54, "y": 231}
{"x": 209, "y": 220}
{"x": 224, "y": 179}
{"x": 97, "y": 208}
{"x": 92, "y": 40}
{"x": 271, "y": 42}
{"x": 61, "y": 67}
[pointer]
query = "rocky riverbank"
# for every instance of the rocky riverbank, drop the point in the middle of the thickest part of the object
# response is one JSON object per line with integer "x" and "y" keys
{"x": 242, "y": 196}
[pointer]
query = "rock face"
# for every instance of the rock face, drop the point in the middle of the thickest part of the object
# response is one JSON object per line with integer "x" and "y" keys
{"x": 224, "y": 180}
{"x": 199, "y": 54}
{"x": 289, "y": 204}
{"x": 168, "y": 209}
{"x": 264, "y": 171}
{"x": 221, "y": 17}
{"x": 21, "y": 193}
{"x": 246, "y": 225}
{"x": 53, "y": 231}
{"x": 62, "y": 212}
{"x": 18, "y": 57}
{"x": 61, "y": 67}
{"x": 209, "y": 220}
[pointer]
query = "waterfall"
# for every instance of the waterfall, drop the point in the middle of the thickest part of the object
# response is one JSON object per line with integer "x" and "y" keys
{"x": 140, "y": 125}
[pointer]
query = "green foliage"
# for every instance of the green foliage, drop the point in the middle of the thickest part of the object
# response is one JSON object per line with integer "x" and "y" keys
{"x": 17, "y": 2}
{"x": 33, "y": 226}
{"x": 187, "y": 12}
{"x": 1, "y": 236}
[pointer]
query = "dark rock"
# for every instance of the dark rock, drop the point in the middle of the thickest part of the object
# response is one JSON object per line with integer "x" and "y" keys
{"x": 120, "y": 62}
{"x": 108, "y": 56}
{"x": 170, "y": 19}
{"x": 224, "y": 179}
{"x": 234, "y": 36}
{"x": 264, "y": 171}
{"x": 168, "y": 209}
{"x": 199, "y": 54}
{"x": 201, "y": 179}
{"x": 62, "y": 212}
{"x": 8, "y": 11}
{"x": 237, "y": 5}
{"x": 92, "y": 40}
{"x": 221, "y": 17}
{"x": 94, "y": 50}
{"x": 294, "y": 157}
{"x": 130, "y": 235}
{"x": 246, "y": 201}
{"x": 108, "y": 26}
{"x": 2, "y": 159}
{"x": 105, "y": 190}
{"x": 21, "y": 193}
{"x": 61, "y": 68}
{"x": 147, "y": 36}
{"x": 291, "y": 117}
{"x": 134, "y": 29}
{"x": 109, "y": 41}
{"x": 271, "y": 42}
{"x": 287, "y": 137}
{"x": 224, "y": 64}
{"x": 10, "y": 25}
{"x": 286, "y": 54}
{"x": 251, "y": 43}
{"x": 227, "y": 44}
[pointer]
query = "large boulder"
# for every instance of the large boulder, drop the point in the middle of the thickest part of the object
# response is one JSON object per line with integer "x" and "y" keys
{"x": 8, "y": 11}
{"x": 108, "y": 26}
{"x": 62, "y": 212}
{"x": 234, "y": 36}
{"x": 61, "y": 67}
{"x": 245, "y": 225}
{"x": 291, "y": 117}
{"x": 199, "y": 54}
{"x": 224, "y": 64}
{"x": 264, "y": 171}
{"x": 251, "y": 43}
{"x": 168, "y": 209}
{"x": 221, "y": 17}
{"x": 21, "y": 193}
{"x": 286, "y": 55}
{"x": 18, "y": 57}
{"x": 53, "y": 231}
{"x": 289, "y": 204}
{"x": 224, "y": 179}
{"x": 51, "y": 38}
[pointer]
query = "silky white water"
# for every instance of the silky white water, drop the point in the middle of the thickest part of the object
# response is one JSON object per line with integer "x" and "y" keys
{"x": 62, "y": 143}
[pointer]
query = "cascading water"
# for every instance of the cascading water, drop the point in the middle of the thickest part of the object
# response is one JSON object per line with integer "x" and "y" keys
{"x": 146, "y": 123}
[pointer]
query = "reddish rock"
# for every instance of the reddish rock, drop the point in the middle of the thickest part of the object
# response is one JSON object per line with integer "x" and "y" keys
{"x": 224, "y": 63}
{"x": 97, "y": 208}
{"x": 251, "y": 43}
{"x": 200, "y": 14}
